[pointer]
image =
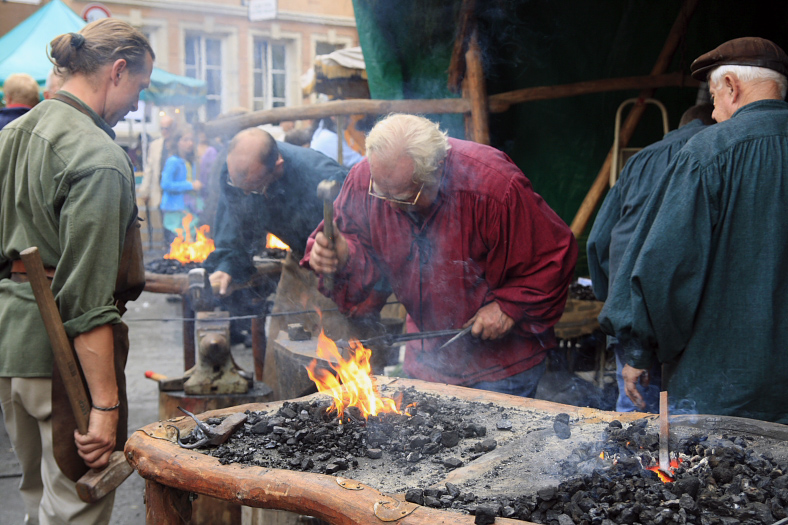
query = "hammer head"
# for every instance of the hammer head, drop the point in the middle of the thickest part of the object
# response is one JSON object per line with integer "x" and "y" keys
{"x": 328, "y": 190}
{"x": 200, "y": 290}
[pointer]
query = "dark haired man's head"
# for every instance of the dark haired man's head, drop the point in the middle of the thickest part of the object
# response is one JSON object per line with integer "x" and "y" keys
{"x": 253, "y": 161}
{"x": 698, "y": 111}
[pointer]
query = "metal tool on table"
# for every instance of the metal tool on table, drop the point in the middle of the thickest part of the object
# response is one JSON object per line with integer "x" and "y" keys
{"x": 459, "y": 334}
{"x": 96, "y": 483}
{"x": 391, "y": 339}
{"x": 210, "y": 434}
{"x": 328, "y": 191}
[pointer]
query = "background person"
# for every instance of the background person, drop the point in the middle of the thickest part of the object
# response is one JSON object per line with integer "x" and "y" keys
{"x": 456, "y": 231}
{"x": 324, "y": 139}
{"x": 180, "y": 187}
{"x": 706, "y": 296}
{"x": 67, "y": 188}
{"x": 271, "y": 187}
{"x": 20, "y": 92}
{"x": 617, "y": 218}
{"x": 159, "y": 151}
{"x": 53, "y": 84}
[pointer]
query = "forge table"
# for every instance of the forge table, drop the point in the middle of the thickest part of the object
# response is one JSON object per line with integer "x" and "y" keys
{"x": 173, "y": 473}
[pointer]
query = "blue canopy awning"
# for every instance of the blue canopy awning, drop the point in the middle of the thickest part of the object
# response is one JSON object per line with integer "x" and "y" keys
{"x": 24, "y": 50}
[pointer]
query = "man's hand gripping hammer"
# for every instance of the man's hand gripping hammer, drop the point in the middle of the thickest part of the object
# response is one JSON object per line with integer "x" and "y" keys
{"x": 328, "y": 191}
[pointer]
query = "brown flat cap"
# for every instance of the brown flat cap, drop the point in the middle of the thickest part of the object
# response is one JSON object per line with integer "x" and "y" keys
{"x": 748, "y": 51}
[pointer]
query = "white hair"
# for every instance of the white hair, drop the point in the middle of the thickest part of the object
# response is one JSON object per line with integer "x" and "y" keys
{"x": 750, "y": 74}
{"x": 417, "y": 137}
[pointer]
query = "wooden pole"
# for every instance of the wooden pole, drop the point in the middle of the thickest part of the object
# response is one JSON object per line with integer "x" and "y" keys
{"x": 600, "y": 184}
{"x": 457, "y": 65}
{"x": 165, "y": 505}
{"x": 477, "y": 92}
{"x": 502, "y": 101}
{"x": 497, "y": 103}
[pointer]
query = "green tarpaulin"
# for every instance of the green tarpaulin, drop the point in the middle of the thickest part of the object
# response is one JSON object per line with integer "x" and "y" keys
{"x": 24, "y": 50}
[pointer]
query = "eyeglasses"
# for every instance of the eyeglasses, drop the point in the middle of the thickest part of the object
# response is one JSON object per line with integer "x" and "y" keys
{"x": 411, "y": 202}
{"x": 230, "y": 183}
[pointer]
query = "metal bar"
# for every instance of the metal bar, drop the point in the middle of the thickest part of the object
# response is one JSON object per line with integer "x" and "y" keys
{"x": 664, "y": 433}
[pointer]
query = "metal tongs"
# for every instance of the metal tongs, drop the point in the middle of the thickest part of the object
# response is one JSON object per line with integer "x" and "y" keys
{"x": 391, "y": 339}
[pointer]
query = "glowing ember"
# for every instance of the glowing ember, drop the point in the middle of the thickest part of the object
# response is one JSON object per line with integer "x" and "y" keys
{"x": 184, "y": 250}
{"x": 272, "y": 241}
{"x": 353, "y": 385}
{"x": 674, "y": 464}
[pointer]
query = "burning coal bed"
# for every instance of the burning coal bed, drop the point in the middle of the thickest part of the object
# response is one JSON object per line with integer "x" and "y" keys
{"x": 164, "y": 266}
{"x": 534, "y": 466}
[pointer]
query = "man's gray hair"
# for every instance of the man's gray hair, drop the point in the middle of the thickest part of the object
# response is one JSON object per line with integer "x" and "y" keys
{"x": 417, "y": 137}
{"x": 750, "y": 74}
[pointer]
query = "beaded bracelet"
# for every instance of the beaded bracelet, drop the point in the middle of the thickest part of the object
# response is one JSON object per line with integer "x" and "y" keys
{"x": 106, "y": 409}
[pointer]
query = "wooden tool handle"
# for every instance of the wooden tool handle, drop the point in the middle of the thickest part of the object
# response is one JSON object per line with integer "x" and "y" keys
{"x": 98, "y": 483}
{"x": 328, "y": 231}
{"x": 61, "y": 346}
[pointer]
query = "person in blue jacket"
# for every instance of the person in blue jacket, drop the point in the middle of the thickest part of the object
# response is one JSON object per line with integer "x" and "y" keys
{"x": 179, "y": 186}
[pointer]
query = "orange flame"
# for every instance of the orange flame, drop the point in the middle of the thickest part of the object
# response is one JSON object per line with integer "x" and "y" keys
{"x": 674, "y": 464}
{"x": 272, "y": 241}
{"x": 184, "y": 250}
{"x": 353, "y": 385}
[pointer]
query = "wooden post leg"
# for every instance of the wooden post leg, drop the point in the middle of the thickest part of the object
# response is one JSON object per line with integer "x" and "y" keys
{"x": 258, "y": 346}
{"x": 166, "y": 505}
{"x": 188, "y": 333}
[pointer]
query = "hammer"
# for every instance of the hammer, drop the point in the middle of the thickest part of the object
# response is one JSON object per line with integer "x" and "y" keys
{"x": 328, "y": 191}
{"x": 95, "y": 484}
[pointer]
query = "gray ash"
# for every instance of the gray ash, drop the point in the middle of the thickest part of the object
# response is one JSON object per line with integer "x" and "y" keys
{"x": 726, "y": 483}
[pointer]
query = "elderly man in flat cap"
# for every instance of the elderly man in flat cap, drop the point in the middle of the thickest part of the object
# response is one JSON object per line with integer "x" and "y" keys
{"x": 708, "y": 263}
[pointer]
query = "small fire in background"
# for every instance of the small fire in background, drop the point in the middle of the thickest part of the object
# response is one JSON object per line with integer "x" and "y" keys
{"x": 184, "y": 250}
{"x": 274, "y": 242}
{"x": 353, "y": 386}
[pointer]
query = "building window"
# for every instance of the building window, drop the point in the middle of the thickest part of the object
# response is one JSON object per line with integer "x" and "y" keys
{"x": 324, "y": 48}
{"x": 204, "y": 62}
{"x": 270, "y": 75}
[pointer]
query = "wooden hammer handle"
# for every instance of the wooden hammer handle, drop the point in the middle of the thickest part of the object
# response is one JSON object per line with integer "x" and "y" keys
{"x": 328, "y": 231}
{"x": 61, "y": 346}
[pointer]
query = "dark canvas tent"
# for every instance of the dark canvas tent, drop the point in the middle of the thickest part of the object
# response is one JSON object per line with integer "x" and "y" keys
{"x": 560, "y": 144}
{"x": 24, "y": 50}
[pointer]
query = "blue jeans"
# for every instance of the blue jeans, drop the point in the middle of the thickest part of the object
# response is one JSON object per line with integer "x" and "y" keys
{"x": 522, "y": 384}
{"x": 650, "y": 393}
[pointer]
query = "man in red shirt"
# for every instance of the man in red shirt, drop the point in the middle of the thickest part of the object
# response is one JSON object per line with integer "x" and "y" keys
{"x": 456, "y": 231}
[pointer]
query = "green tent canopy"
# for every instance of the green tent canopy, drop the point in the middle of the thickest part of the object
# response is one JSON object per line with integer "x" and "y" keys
{"x": 24, "y": 50}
